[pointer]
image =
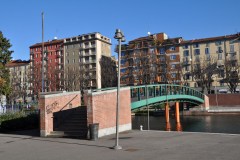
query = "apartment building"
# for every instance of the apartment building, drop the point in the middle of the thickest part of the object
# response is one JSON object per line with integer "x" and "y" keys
{"x": 53, "y": 66}
{"x": 82, "y": 57}
{"x": 151, "y": 59}
{"x": 19, "y": 80}
{"x": 213, "y": 50}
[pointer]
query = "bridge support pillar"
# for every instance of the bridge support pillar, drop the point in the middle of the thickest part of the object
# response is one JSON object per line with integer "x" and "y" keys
{"x": 177, "y": 115}
{"x": 167, "y": 112}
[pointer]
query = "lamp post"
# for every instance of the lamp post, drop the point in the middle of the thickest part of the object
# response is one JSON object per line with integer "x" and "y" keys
{"x": 121, "y": 38}
{"x": 42, "y": 52}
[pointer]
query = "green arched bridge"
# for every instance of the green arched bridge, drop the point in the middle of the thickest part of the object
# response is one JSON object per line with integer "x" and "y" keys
{"x": 161, "y": 93}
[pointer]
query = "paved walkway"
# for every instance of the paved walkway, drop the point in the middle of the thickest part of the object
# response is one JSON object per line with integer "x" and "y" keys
{"x": 139, "y": 145}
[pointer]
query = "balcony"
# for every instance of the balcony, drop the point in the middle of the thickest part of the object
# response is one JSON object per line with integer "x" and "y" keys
{"x": 233, "y": 58}
{"x": 89, "y": 61}
{"x": 186, "y": 63}
{"x": 59, "y": 48}
{"x": 232, "y": 53}
{"x": 59, "y": 56}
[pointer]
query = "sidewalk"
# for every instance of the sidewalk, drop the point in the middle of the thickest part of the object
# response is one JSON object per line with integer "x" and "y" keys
{"x": 139, "y": 145}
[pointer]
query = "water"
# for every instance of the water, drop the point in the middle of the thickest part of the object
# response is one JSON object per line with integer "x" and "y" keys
{"x": 211, "y": 124}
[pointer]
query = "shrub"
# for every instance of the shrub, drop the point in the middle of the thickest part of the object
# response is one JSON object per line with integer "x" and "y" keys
{"x": 18, "y": 121}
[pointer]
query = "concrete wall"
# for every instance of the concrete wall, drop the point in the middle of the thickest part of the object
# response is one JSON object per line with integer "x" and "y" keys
{"x": 230, "y": 100}
{"x": 55, "y": 102}
{"x": 102, "y": 109}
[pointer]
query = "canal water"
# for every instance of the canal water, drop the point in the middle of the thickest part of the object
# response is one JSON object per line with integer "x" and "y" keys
{"x": 212, "y": 124}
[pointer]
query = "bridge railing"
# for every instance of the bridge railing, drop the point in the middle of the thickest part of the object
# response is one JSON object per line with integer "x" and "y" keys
{"x": 140, "y": 92}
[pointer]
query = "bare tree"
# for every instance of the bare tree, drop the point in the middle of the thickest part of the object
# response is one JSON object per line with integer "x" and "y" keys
{"x": 71, "y": 80}
{"x": 232, "y": 73}
{"x": 108, "y": 72}
{"x": 203, "y": 71}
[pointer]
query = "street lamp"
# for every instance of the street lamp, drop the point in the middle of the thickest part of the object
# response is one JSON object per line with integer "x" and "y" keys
{"x": 43, "y": 52}
{"x": 121, "y": 38}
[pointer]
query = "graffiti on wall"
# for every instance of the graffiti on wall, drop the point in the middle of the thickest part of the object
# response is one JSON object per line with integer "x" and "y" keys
{"x": 50, "y": 108}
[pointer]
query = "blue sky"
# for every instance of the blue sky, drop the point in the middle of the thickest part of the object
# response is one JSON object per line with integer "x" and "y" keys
{"x": 20, "y": 20}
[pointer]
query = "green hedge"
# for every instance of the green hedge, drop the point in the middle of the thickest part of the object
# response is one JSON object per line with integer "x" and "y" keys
{"x": 18, "y": 121}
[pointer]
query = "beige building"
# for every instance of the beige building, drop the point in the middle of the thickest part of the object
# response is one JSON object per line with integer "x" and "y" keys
{"x": 81, "y": 59}
{"x": 19, "y": 80}
{"x": 214, "y": 50}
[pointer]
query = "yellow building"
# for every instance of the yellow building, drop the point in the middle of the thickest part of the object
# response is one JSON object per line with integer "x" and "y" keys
{"x": 217, "y": 51}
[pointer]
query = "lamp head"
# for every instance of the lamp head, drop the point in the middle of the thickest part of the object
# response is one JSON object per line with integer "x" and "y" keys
{"x": 118, "y": 34}
{"x": 123, "y": 39}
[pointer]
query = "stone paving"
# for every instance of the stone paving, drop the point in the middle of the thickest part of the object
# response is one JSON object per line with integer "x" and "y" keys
{"x": 139, "y": 145}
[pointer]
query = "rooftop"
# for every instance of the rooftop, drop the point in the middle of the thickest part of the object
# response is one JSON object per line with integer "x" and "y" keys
{"x": 15, "y": 63}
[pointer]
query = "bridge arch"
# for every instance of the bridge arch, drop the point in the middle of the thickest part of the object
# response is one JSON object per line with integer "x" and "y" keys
{"x": 161, "y": 93}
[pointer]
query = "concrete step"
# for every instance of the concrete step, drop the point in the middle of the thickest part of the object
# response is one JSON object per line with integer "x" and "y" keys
{"x": 56, "y": 134}
{"x": 71, "y": 134}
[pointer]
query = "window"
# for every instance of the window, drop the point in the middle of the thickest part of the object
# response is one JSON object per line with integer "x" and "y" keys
{"x": 162, "y": 58}
{"x": 162, "y": 51}
{"x": 73, "y": 53}
{"x": 173, "y": 48}
{"x": 219, "y": 56}
{"x": 231, "y": 42}
{"x": 207, "y": 44}
{"x": 206, "y": 50}
{"x": 196, "y": 51}
{"x": 173, "y": 66}
{"x": 73, "y": 60}
{"x": 151, "y": 50}
{"x": 186, "y": 53}
{"x": 208, "y": 58}
{"x": 68, "y": 61}
{"x": 185, "y": 46}
{"x": 219, "y": 49}
{"x": 197, "y": 59}
{"x": 217, "y": 43}
{"x": 231, "y": 48}
{"x": 173, "y": 75}
{"x": 173, "y": 57}
{"x": 196, "y": 45}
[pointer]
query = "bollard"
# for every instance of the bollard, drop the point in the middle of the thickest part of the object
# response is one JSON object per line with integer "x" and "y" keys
{"x": 141, "y": 127}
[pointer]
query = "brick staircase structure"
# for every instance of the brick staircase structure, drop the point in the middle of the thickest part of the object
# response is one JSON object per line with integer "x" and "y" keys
{"x": 71, "y": 123}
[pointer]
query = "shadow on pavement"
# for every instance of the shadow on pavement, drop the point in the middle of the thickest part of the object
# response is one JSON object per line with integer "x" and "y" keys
{"x": 33, "y": 133}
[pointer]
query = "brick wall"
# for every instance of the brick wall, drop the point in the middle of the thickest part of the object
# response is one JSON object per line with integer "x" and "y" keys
{"x": 51, "y": 103}
{"x": 230, "y": 100}
{"x": 102, "y": 109}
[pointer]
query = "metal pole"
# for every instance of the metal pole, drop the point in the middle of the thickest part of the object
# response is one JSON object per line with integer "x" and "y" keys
{"x": 118, "y": 97}
{"x": 216, "y": 91}
{"x": 147, "y": 106}
{"x": 42, "y": 52}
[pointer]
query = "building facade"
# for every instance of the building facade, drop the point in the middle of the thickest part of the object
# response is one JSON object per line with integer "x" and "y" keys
{"x": 82, "y": 57}
{"x": 216, "y": 58}
{"x": 19, "y": 80}
{"x": 70, "y": 64}
{"x": 203, "y": 63}
{"x": 53, "y": 66}
{"x": 151, "y": 59}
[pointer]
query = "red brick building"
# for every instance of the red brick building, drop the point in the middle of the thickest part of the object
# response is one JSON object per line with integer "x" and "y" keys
{"x": 53, "y": 66}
